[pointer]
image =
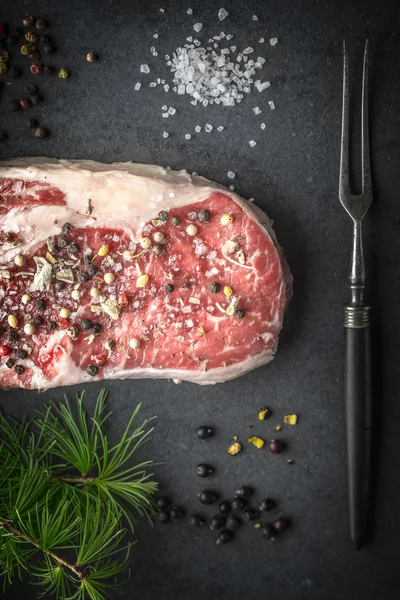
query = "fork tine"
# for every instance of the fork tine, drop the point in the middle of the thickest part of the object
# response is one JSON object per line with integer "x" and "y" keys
{"x": 344, "y": 148}
{"x": 365, "y": 160}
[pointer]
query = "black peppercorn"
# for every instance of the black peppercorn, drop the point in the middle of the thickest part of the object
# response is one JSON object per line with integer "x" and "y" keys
{"x": 203, "y": 432}
{"x": 10, "y": 363}
{"x": 215, "y": 287}
{"x": 96, "y": 327}
{"x": 86, "y": 324}
{"x": 59, "y": 285}
{"x": 163, "y": 503}
{"x": 1, "y": 330}
{"x": 40, "y": 133}
{"x": 267, "y": 531}
{"x": 225, "y": 507}
{"x": 18, "y": 31}
{"x": 67, "y": 228}
{"x": 175, "y": 220}
{"x": 47, "y": 70}
{"x": 48, "y": 49}
{"x": 38, "y": 321}
{"x": 280, "y": 524}
{"x": 169, "y": 287}
{"x": 204, "y": 216}
{"x": 217, "y": 522}
{"x": 267, "y": 504}
{"x": 203, "y": 470}
{"x": 22, "y": 353}
{"x": 275, "y": 446}
{"x": 208, "y": 497}
{"x": 92, "y": 270}
{"x": 3, "y": 136}
{"x": 12, "y": 39}
{"x": 12, "y": 336}
{"x": 35, "y": 99}
{"x": 88, "y": 258}
{"x": 249, "y": 514}
{"x": 63, "y": 241}
{"x": 196, "y": 521}
{"x": 244, "y": 492}
{"x": 92, "y": 370}
{"x": 30, "y": 89}
{"x": 176, "y": 513}
{"x": 232, "y": 523}
{"x": 27, "y": 21}
{"x": 44, "y": 39}
{"x": 163, "y": 517}
{"x": 52, "y": 325}
{"x": 31, "y": 123}
{"x": 158, "y": 249}
{"x": 239, "y": 313}
{"x": 14, "y": 72}
{"x": 83, "y": 277}
{"x": 74, "y": 248}
{"x": 40, "y": 305}
{"x": 40, "y": 24}
{"x": 19, "y": 369}
{"x": 238, "y": 504}
{"x": 163, "y": 215}
{"x": 224, "y": 536}
{"x": 14, "y": 105}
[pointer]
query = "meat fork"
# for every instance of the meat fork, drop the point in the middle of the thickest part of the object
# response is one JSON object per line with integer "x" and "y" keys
{"x": 357, "y": 376}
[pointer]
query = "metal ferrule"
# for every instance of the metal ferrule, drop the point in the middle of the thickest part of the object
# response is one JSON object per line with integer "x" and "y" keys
{"x": 356, "y": 317}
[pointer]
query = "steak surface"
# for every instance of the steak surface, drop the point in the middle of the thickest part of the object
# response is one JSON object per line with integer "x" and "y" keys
{"x": 126, "y": 271}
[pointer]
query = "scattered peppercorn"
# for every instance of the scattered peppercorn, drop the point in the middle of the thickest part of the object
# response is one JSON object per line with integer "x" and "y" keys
{"x": 63, "y": 241}
{"x": 267, "y": 531}
{"x": 12, "y": 336}
{"x": 83, "y": 277}
{"x": 12, "y": 39}
{"x": 239, "y": 313}
{"x": 10, "y": 363}
{"x": 38, "y": 321}
{"x": 158, "y": 249}
{"x": 52, "y": 325}
{"x": 3, "y": 68}
{"x": 275, "y": 446}
{"x": 169, "y": 287}
{"x": 224, "y": 536}
{"x": 86, "y": 324}
{"x": 30, "y": 89}
{"x": 47, "y": 70}
{"x": 91, "y": 57}
{"x": 34, "y": 55}
{"x": 40, "y": 132}
{"x": 204, "y": 216}
{"x": 92, "y": 370}
{"x": 74, "y": 248}
{"x": 163, "y": 215}
{"x": 163, "y": 517}
{"x": 96, "y": 327}
{"x": 217, "y": 522}
{"x": 215, "y": 287}
{"x": 249, "y": 514}
{"x": 40, "y": 305}
{"x": 244, "y": 492}
{"x": 26, "y": 49}
{"x": 88, "y": 258}
{"x": 22, "y": 353}
{"x": 30, "y": 36}
{"x": 225, "y": 507}
{"x": 267, "y": 504}
{"x": 59, "y": 285}
{"x": 163, "y": 502}
{"x": 176, "y": 513}
{"x": 175, "y": 220}
{"x": 238, "y": 504}
{"x": 35, "y": 99}
{"x": 24, "y": 103}
{"x": 208, "y": 497}
{"x": 31, "y": 123}
{"x": 27, "y": 22}
{"x": 47, "y": 49}
{"x": 232, "y": 523}
{"x": 203, "y": 470}
{"x": 196, "y": 521}
{"x": 14, "y": 105}
{"x": 19, "y": 369}
{"x": 63, "y": 74}
{"x": 92, "y": 270}
{"x": 280, "y": 524}
{"x": 203, "y": 432}
{"x": 40, "y": 24}
{"x": 18, "y": 31}
{"x": 67, "y": 228}
{"x": 36, "y": 69}
{"x": 14, "y": 72}
{"x": 44, "y": 39}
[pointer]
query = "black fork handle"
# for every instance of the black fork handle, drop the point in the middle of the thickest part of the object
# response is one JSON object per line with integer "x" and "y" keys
{"x": 358, "y": 407}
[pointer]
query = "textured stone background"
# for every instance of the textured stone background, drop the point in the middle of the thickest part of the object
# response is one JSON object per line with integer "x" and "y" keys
{"x": 293, "y": 175}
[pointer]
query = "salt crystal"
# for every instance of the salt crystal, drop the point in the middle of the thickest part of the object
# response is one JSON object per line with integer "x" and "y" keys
{"x": 271, "y": 104}
{"x": 155, "y": 36}
{"x": 138, "y": 85}
{"x": 187, "y": 136}
{"x": 208, "y": 128}
{"x": 220, "y": 128}
{"x": 198, "y": 27}
{"x": 189, "y": 11}
{"x": 252, "y": 143}
{"x": 261, "y": 40}
{"x": 172, "y": 110}
{"x": 232, "y": 188}
{"x": 181, "y": 89}
{"x": 166, "y": 87}
{"x": 118, "y": 267}
{"x": 165, "y": 115}
{"x": 257, "y": 110}
{"x": 189, "y": 39}
{"x": 229, "y": 37}
{"x": 197, "y": 129}
{"x": 165, "y": 134}
{"x": 262, "y": 86}
{"x": 144, "y": 69}
{"x": 152, "y": 84}
{"x": 158, "y": 81}
{"x": 255, "y": 18}
{"x": 152, "y": 49}
{"x": 233, "y": 48}
{"x": 262, "y": 126}
{"x": 248, "y": 50}
{"x": 167, "y": 57}
{"x": 261, "y": 60}
{"x": 273, "y": 41}
{"x": 165, "y": 107}
{"x": 222, "y": 14}
{"x": 155, "y": 53}
{"x": 231, "y": 174}
{"x": 162, "y": 10}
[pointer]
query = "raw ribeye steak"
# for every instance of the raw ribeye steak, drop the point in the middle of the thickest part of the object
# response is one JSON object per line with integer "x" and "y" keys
{"x": 127, "y": 270}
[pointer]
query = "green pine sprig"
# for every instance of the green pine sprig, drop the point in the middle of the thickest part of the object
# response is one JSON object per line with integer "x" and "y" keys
{"x": 67, "y": 498}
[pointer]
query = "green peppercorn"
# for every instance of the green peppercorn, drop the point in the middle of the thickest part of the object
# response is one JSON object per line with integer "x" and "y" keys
{"x": 3, "y": 68}
{"x": 63, "y": 74}
{"x": 31, "y": 37}
{"x": 4, "y": 56}
{"x": 26, "y": 49}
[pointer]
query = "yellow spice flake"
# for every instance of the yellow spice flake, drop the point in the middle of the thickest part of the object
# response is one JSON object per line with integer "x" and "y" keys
{"x": 257, "y": 526}
{"x": 50, "y": 258}
{"x": 142, "y": 281}
{"x": 234, "y": 448}
{"x": 256, "y": 441}
{"x": 290, "y": 419}
{"x": 103, "y": 250}
{"x": 263, "y": 414}
{"x": 228, "y": 291}
{"x": 278, "y": 427}
{"x": 290, "y": 461}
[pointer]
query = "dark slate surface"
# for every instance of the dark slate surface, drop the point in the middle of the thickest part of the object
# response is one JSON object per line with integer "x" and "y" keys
{"x": 293, "y": 174}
